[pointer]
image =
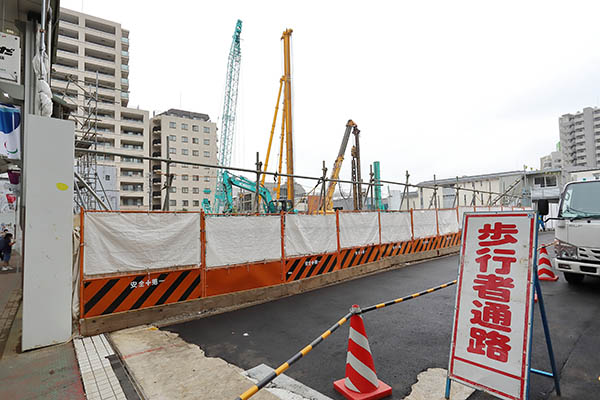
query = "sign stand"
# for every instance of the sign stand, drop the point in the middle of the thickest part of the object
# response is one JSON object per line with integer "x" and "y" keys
{"x": 538, "y": 290}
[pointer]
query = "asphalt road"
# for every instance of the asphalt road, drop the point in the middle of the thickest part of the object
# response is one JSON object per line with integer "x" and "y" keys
{"x": 405, "y": 339}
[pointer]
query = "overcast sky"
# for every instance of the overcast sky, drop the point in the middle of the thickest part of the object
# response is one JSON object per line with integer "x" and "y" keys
{"x": 436, "y": 87}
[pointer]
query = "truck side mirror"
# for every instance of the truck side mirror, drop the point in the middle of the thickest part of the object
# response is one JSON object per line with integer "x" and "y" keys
{"x": 542, "y": 207}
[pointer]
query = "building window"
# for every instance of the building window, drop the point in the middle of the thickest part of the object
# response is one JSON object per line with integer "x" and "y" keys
{"x": 184, "y": 177}
{"x": 195, "y": 128}
{"x": 206, "y": 129}
{"x": 185, "y": 203}
{"x": 206, "y": 141}
{"x": 184, "y": 152}
{"x": 172, "y": 150}
{"x": 196, "y": 152}
{"x": 196, "y": 203}
{"x": 184, "y": 139}
{"x": 172, "y": 189}
{"x": 184, "y": 165}
{"x": 172, "y": 138}
{"x": 173, "y": 203}
{"x": 195, "y": 178}
{"x": 195, "y": 166}
{"x": 107, "y": 177}
{"x": 195, "y": 140}
{"x": 172, "y": 125}
{"x": 184, "y": 127}
{"x": 196, "y": 190}
{"x": 207, "y": 179}
{"x": 185, "y": 190}
{"x": 130, "y": 201}
{"x": 207, "y": 154}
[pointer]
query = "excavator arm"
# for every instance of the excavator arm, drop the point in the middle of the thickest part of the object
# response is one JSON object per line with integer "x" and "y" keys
{"x": 230, "y": 180}
{"x": 337, "y": 166}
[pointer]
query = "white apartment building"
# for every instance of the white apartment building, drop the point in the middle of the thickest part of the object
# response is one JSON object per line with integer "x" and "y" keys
{"x": 183, "y": 136}
{"x": 551, "y": 161}
{"x": 92, "y": 73}
{"x": 580, "y": 138}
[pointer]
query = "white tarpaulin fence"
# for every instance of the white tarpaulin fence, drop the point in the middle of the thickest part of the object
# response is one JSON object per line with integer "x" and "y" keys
{"x": 310, "y": 234}
{"x": 395, "y": 227}
{"x": 358, "y": 229}
{"x": 133, "y": 242}
{"x": 241, "y": 239}
{"x": 116, "y": 242}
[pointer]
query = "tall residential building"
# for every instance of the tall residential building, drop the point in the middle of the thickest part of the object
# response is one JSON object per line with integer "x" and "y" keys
{"x": 580, "y": 138}
{"x": 551, "y": 161}
{"x": 91, "y": 72}
{"x": 183, "y": 136}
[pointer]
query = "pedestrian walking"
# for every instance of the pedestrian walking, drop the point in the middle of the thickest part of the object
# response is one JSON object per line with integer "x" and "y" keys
{"x": 6, "y": 244}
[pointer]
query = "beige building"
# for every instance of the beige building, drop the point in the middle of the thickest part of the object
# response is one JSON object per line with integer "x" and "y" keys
{"x": 183, "y": 136}
{"x": 91, "y": 72}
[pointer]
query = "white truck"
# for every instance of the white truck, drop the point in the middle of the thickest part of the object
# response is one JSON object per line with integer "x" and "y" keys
{"x": 578, "y": 231}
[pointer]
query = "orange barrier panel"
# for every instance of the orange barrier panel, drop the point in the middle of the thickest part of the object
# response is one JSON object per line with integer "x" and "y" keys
{"x": 307, "y": 266}
{"x": 103, "y": 296}
{"x": 242, "y": 277}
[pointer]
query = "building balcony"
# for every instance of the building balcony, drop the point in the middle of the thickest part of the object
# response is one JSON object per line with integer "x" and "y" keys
{"x": 125, "y": 54}
{"x": 156, "y": 180}
{"x": 156, "y": 168}
{"x": 156, "y": 193}
{"x": 156, "y": 154}
{"x": 156, "y": 142}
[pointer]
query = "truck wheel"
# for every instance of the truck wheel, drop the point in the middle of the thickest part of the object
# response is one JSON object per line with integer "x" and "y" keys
{"x": 572, "y": 278}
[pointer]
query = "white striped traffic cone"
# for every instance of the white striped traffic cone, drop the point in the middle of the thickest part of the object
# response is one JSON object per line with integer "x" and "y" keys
{"x": 545, "y": 272}
{"x": 361, "y": 381}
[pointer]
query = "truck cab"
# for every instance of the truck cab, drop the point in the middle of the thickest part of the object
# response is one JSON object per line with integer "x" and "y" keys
{"x": 578, "y": 231}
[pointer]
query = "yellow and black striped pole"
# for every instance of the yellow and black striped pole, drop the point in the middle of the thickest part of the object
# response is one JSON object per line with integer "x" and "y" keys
{"x": 267, "y": 379}
{"x": 412, "y": 296}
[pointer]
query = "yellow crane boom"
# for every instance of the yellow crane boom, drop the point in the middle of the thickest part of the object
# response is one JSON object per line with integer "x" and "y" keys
{"x": 337, "y": 166}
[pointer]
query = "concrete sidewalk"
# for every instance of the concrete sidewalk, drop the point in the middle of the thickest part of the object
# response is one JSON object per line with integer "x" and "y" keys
{"x": 47, "y": 373}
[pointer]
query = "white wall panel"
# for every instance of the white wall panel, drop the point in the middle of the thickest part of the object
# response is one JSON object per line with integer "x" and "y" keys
{"x": 358, "y": 229}
{"x": 395, "y": 227}
{"x": 238, "y": 240}
{"x": 310, "y": 234}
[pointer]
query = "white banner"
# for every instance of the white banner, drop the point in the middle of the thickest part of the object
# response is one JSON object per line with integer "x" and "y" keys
{"x": 123, "y": 242}
{"x": 424, "y": 223}
{"x": 358, "y": 229}
{"x": 448, "y": 221}
{"x": 239, "y": 239}
{"x": 490, "y": 339}
{"x": 310, "y": 234}
{"x": 395, "y": 227}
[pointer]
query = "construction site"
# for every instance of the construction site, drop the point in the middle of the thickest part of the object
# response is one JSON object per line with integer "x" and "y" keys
{"x": 150, "y": 262}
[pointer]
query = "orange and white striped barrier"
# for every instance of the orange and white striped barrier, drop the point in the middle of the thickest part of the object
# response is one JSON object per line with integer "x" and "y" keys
{"x": 545, "y": 272}
{"x": 361, "y": 381}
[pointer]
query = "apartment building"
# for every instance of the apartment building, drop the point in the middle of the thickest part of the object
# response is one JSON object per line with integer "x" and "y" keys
{"x": 551, "y": 161}
{"x": 91, "y": 73}
{"x": 183, "y": 136}
{"x": 580, "y": 138}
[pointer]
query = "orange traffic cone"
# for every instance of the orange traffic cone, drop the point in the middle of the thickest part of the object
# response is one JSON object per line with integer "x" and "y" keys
{"x": 545, "y": 272}
{"x": 361, "y": 381}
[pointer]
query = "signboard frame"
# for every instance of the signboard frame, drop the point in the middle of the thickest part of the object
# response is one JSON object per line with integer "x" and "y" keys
{"x": 526, "y": 317}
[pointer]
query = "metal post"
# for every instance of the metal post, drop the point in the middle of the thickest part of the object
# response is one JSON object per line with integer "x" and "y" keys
{"x": 371, "y": 180}
{"x": 256, "y": 198}
{"x": 323, "y": 190}
{"x": 167, "y": 186}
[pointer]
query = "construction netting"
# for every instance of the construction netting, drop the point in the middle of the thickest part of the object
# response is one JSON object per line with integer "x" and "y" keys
{"x": 116, "y": 242}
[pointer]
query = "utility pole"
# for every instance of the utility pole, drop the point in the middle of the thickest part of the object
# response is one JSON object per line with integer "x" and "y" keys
{"x": 168, "y": 185}
{"x": 323, "y": 191}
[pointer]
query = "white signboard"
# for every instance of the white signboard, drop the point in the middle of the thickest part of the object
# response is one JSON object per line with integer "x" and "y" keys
{"x": 10, "y": 57}
{"x": 492, "y": 320}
